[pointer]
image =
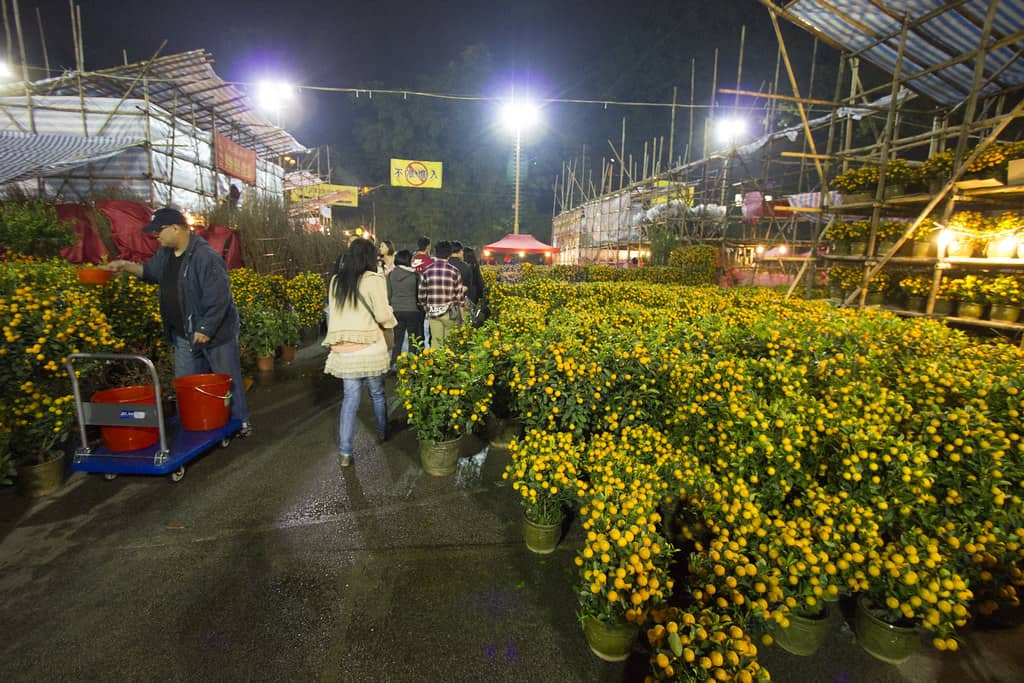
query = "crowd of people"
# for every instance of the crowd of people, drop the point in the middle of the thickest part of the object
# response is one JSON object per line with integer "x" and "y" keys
{"x": 380, "y": 299}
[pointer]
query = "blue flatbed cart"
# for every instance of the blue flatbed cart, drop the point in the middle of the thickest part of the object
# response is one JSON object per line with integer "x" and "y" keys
{"x": 175, "y": 447}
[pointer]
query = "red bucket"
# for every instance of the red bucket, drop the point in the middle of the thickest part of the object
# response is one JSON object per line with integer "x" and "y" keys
{"x": 203, "y": 401}
{"x": 128, "y": 438}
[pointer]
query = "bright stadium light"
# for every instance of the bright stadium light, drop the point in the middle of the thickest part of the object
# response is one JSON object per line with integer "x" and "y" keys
{"x": 274, "y": 96}
{"x": 730, "y": 130}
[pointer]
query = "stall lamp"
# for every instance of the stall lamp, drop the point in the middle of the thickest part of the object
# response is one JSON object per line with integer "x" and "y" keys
{"x": 760, "y": 249}
{"x": 946, "y": 242}
{"x": 487, "y": 252}
{"x": 783, "y": 249}
{"x": 522, "y": 254}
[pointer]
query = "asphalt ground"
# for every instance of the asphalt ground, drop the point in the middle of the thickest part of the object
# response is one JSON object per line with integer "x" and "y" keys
{"x": 268, "y": 562}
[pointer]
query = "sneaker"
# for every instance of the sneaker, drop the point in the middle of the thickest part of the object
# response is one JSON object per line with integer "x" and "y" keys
{"x": 344, "y": 459}
{"x": 245, "y": 430}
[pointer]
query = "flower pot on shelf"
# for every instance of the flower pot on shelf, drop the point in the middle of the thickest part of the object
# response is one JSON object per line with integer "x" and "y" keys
{"x": 805, "y": 634}
{"x": 1005, "y": 313}
{"x": 287, "y": 353}
{"x": 541, "y": 538}
{"x": 439, "y": 458}
{"x": 961, "y": 248}
{"x": 882, "y": 248}
{"x": 264, "y": 363}
{"x": 37, "y": 480}
{"x": 874, "y": 299}
{"x": 611, "y": 642}
{"x": 916, "y": 304}
{"x": 1003, "y": 248}
{"x": 895, "y": 191}
{"x": 970, "y": 309}
{"x": 858, "y": 248}
{"x": 943, "y": 307}
{"x": 887, "y": 642}
{"x": 856, "y": 198}
{"x": 923, "y": 249}
{"x": 94, "y": 276}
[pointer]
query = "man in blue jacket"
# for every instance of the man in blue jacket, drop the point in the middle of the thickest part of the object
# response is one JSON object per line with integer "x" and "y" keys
{"x": 199, "y": 316}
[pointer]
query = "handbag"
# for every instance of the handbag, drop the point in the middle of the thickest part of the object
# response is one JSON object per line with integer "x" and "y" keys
{"x": 389, "y": 333}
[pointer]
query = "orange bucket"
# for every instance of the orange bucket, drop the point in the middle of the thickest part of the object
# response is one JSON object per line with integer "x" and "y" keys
{"x": 94, "y": 276}
{"x": 203, "y": 401}
{"x": 128, "y": 438}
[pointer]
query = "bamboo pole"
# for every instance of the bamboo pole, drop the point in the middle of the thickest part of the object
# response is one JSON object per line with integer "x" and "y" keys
{"x": 622, "y": 152}
{"x": 739, "y": 63}
{"x": 24, "y": 66}
{"x": 131, "y": 88}
{"x": 671, "y": 129}
{"x": 149, "y": 143}
{"x": 42, "y": 43}
{"x": 689, "y": 139}
{"x": 644, "y": 176}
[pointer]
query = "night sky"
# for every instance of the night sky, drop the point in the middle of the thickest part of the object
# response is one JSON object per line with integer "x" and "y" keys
{"x": 575, "y": 49}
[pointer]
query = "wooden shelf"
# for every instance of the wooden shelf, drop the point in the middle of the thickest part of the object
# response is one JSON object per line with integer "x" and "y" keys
{"x": 976, "y": 322}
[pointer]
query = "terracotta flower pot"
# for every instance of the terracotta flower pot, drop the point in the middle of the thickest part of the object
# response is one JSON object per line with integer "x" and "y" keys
{"x": 264, "y": 363}
{"x": 287, "y": 354}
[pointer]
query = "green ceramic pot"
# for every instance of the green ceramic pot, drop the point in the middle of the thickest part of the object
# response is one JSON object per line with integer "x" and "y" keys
{"x": 916, "y": 303}
{"x": 541, "y": 538}
{"x": 36, "y": 481}
{"x": 943, "y": 307}
{"x": 439, "y": 458}
{"x": 805, "y": 633}
{"x": 889, "y": 643}
{"x": 1004, "y": 313}
{"x": 969, "y": 309}
{"x": 610, "y": 642}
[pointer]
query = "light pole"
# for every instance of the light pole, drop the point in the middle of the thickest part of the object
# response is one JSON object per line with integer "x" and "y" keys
{"x": 517, "y": 114}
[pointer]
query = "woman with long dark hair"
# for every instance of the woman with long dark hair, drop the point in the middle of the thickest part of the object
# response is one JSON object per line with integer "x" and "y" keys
{"x": 475, "y": 289}
{"x": 357, "y": 314}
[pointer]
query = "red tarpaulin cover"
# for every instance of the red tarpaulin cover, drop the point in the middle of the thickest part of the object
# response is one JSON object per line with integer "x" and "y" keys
{"x": 89, "y": 248}
{"x": 521, "y": 242}
{"x": 126, "y": 222}
{"x": 225, "y": 242}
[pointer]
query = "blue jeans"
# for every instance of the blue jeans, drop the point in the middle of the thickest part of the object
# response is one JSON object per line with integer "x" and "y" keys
{"x": 223, "y": 359}
{"x": 353, "y": 387}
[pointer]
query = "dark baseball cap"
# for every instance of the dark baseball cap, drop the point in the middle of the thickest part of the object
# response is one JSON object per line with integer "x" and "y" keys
{"x": 164, "y": 217}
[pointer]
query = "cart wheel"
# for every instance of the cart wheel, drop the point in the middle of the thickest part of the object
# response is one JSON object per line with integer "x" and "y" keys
{"x": 225, "y": 442}
{"x": 178, "y": 474}
{"x": 110, "y": 476}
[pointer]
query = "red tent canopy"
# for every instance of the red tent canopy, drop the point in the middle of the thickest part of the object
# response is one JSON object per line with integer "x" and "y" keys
{"x": 521, "y": 242}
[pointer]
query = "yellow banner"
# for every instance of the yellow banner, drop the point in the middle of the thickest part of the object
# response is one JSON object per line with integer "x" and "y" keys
{"x": 407, "y": 173}
{"x": 337, "y": 195}
{"x": 678, "y": 191}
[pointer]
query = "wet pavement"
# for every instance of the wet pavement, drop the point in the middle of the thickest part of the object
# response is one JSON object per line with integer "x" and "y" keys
{"x": 267, "y": 562}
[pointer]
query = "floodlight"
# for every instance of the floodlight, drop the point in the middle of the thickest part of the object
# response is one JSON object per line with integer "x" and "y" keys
{"x": 730, "y": 130}
{"x": 5, "y": 70}
{"x": 273, "y": 95}
{"x": 519, "y": 114}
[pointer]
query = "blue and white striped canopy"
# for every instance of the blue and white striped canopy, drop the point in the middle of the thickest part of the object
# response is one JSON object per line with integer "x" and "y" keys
{"x": 939, "y": 32}
{"x": 26, "y": 155}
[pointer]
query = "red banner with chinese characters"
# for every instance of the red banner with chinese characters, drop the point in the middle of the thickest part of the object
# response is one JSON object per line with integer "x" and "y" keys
{"x": 235, "y": 160}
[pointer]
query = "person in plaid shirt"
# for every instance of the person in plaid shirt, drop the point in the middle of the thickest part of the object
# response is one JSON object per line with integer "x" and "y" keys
{"x": 441, "y": 295}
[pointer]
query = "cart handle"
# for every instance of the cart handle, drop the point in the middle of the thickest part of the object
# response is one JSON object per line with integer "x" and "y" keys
{"x": 69, "y": 366}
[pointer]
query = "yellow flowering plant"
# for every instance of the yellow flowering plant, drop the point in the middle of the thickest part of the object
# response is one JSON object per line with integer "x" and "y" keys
{"x": 43, "y": 320}
{"x": 307, "y": 294}
{"x": 623, "y": 565}
{"x": 1006, "y": 290}
{"x": 699, "y": 645}
{"x": 545, "y": 472}
{"x": 446, "y": 394}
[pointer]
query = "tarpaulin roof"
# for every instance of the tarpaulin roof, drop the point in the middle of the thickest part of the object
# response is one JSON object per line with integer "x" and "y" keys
{"x": 183, "y": 84}
{"x": 521, "y": 242}
{"x": 941, "y": 36}
{"x": 24, "y": 155}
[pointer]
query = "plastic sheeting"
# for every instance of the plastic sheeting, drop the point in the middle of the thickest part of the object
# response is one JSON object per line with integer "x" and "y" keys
{"x": 180, "y": 160}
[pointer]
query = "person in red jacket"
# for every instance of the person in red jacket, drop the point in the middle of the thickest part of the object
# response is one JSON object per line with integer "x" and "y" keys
{"x": 421, "y": 259}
